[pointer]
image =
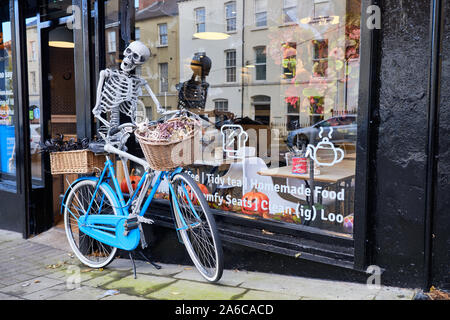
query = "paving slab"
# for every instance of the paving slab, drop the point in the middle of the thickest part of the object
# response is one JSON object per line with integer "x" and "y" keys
{"x": 82, "y": 293}
{"x": 101, "y": 278}
{"x": 143, "y": 285}
{"x": 190, "y": 290}
{"x": 229, "y": 277}
{"x": 267, "y": 296}
{"x": 49, "y": 292}
{"x": 4, "y": 296}
{"x": 27, "y": 287}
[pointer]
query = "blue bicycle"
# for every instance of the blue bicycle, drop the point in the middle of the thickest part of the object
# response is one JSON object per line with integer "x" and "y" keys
{"x": 98, "y": 220}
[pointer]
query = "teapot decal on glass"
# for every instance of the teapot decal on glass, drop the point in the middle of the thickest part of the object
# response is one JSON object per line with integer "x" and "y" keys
{"x": 325, "y": 144}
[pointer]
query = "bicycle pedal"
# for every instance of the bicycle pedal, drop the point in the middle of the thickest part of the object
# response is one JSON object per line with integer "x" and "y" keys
{"x": 130, "y": 224}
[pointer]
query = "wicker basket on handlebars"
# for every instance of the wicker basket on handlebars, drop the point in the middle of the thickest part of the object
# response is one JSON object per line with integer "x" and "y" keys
{"x": 165, "y": 156}
{"x": 77, "y": 161}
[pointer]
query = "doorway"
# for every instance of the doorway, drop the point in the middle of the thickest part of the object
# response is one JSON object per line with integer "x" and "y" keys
{"x": 52, "y": 111}
{"x": 60, "y": 101}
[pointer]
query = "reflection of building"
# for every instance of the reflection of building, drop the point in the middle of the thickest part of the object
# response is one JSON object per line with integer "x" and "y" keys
{"x": 157, "y": 27}
{"x": 225, "y": 92}
{"x": 33, "y": 68}
{"x": 293, "y": 64}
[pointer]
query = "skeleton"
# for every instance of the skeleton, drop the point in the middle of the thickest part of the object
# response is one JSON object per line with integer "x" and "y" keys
{"x": 118, "y": 90}
{"x": 193, "y": 93}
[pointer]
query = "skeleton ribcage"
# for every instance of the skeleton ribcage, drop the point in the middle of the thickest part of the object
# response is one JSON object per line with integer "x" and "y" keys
{"x": 192, "y": 94}
{"x": 119, "y": 95}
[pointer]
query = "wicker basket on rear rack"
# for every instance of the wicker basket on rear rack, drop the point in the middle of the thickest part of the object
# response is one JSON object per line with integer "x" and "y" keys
{"x": 165, "y": 156}
{"x": 77, "y": 161}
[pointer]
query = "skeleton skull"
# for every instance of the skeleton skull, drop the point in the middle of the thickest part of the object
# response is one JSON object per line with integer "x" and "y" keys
{"x": 135, "y": 55}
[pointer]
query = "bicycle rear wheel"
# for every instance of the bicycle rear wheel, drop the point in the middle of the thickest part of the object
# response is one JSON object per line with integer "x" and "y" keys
{"x": 197, "y": 227}
{"x": 91, "y": 252}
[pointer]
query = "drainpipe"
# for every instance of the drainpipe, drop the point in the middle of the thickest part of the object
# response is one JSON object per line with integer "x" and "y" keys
{"x": 437, "y": 21}
{"x": 242, "y": 58}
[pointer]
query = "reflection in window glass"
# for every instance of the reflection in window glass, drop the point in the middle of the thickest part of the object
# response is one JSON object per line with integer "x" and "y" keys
{"x": 297, "y": 72}
{"x": 231, "y": 65}
{"x": 260, "y": 13}
{"x": 289, "y": 11}
{"x": 162, "y": 29}
{"x": 200, "y": 20}
{"x": 260, "y": 64}
{"x": 163, "y": 77}
{"x": 221, "y": 105}
{"x": 7, "y": 103}
{"x": 230, "y": 12}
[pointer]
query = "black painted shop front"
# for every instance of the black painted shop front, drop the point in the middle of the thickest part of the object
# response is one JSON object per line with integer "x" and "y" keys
{"x": 402, "y": 188}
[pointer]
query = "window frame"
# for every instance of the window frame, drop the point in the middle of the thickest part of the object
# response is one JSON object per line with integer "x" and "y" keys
{"x": 219, "y": 101}
{"x": 318, "y": 59}
{"x": 160, "y": 35}
{"x": 196, "y": 19}
{"x": 230, "y": 68}
{"x": 161, "y": 78}
{"x": 259, "y": 64}
{"x": 286, "y": 9}
{"x": 112, "y": 50}
{"x": 258, "y": 13}
{"x": 231, "y": 18}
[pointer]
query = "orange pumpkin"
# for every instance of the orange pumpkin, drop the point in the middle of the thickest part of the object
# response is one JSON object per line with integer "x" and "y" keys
{"x": 255, "y": 203}
{"x": 203, "y": 189}
{"x": 134, "y": 182}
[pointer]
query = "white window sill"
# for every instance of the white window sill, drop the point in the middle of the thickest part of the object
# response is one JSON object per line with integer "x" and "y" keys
{"x": 288, "y": 24}
{"x": 162, "y": 46}
{"x": 259, "y": 28}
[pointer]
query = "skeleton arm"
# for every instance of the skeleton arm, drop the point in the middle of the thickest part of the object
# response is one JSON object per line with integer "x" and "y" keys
{"x": 159, "y": 109}
{"x": 97, "y": 109}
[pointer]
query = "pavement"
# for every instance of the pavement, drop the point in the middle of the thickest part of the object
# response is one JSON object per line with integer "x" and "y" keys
{"x": 44, "y": 268}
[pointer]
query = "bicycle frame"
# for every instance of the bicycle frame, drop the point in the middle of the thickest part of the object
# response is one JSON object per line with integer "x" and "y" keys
{"x": 96, "y": 225}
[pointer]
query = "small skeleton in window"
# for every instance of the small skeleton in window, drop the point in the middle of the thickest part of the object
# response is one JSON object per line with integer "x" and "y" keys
{"x": 192, "y": 94}
{"x": 118, "y": 90}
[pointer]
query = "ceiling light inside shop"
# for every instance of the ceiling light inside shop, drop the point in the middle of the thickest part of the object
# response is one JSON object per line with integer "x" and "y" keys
{"x": 61, "y": 44}
{"x": 211, "y": 35}
{"x": 61, "y": 37}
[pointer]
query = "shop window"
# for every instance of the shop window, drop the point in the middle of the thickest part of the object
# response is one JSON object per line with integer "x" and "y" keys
{"x": 260, "y": 13}
{"x": 289, "y": 52}
{"x": 7, "y": 102}
{"x": 320, "y": 58}
{"x": 200, "y": 20}
{"x": 162, "y": 31}
{"x": 112, "y": 45}
{"x": 230, "y": 16}
{"x": 163, "y": 77}
{"x": 260, "y": 63}
{"x": 289, "y": 11}
{"x": 221, "y": 105}
{"x": 282, "y": 102}
{"x": 230, "y": 65}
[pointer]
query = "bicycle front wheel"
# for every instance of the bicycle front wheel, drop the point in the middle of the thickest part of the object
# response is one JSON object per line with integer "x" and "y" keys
{"x": 90, "y": 251}
{"x": 197, "y": 227}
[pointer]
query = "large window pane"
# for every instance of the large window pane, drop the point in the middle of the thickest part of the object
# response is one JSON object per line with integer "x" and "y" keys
{"x": 7, "y": 102}
{"x": 292, "y": 85}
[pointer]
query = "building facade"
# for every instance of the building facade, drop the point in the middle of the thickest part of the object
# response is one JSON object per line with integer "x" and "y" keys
{"x": 341, "y": 79}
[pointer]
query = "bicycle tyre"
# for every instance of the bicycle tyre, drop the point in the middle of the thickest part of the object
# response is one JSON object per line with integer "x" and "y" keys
{"x": 209, "y": 259}
{"x": 89, "y": 251}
